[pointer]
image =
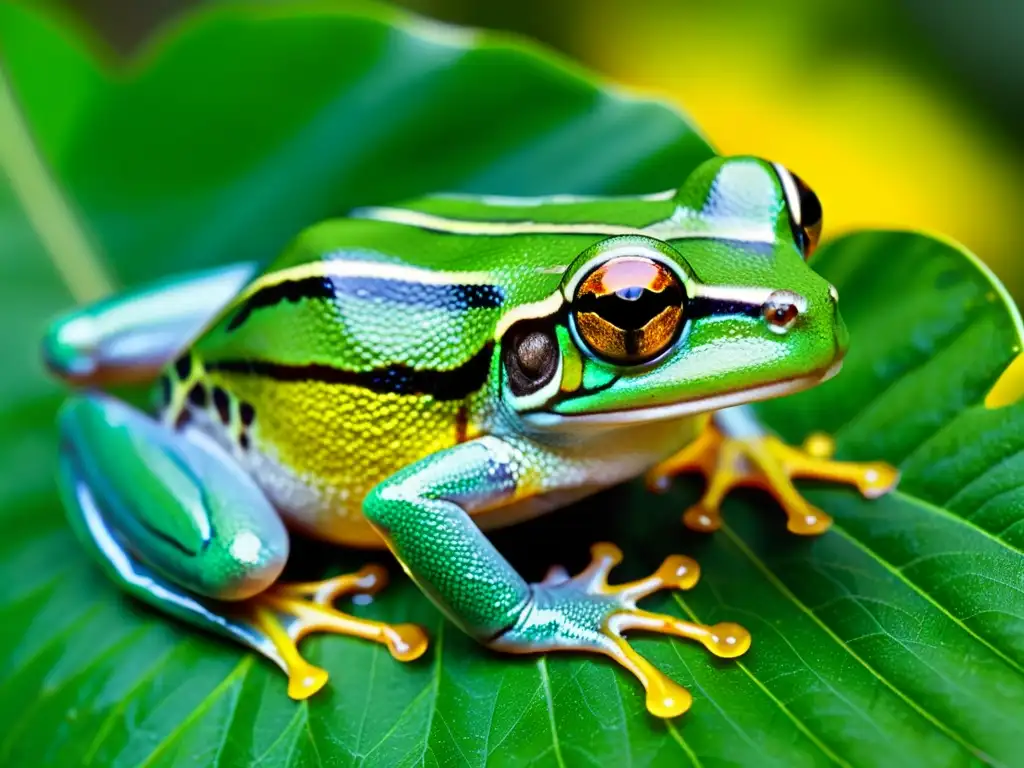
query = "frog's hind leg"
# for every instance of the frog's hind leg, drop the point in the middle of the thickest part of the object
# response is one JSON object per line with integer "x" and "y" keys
{"x": 130, "y": 337}
{"x": 735, "y": 450}
{"x": 178, "y": 525}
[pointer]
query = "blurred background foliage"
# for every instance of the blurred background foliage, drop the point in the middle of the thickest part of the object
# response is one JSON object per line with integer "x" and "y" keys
{"x": 900, "y": 113}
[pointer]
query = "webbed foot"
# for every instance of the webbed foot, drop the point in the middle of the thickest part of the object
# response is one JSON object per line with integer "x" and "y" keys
{"x": 761, "y": 460}
{"x": 288, "y": 612}
{"x": 585, "y": 613}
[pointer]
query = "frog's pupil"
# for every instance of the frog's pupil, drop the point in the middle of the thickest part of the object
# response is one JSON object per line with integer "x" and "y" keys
{"x": 631, "y": 308}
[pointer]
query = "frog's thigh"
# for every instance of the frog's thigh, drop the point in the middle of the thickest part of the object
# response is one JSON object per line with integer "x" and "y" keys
{"x": 177, "y": 524}
{"x": 168, "y": 519}
{"x": 176, "y": 502}
{"x": 131, "y": 336}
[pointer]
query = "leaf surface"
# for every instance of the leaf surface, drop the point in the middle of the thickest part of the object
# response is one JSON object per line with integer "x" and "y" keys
{"x": 895, "y": 639}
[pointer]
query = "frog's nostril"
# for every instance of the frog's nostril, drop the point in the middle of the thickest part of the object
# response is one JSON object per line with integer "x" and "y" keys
{"x": 782, "y": 309}
{"x": 781, "y": 315}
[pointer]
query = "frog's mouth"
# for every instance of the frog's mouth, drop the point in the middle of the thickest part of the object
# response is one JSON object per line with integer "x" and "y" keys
{"x": 634, "y": 416}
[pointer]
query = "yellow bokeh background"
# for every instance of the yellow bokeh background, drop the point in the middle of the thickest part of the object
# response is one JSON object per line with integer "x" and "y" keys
{"x": 889, "y": 109}
{"x": 882, "y": 145}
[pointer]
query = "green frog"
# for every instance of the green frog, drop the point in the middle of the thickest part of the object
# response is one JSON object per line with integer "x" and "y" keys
{"x": 410, "y": 377}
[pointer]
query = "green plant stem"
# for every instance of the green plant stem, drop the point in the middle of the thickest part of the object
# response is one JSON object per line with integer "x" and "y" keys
{"x": 67, "y": 244}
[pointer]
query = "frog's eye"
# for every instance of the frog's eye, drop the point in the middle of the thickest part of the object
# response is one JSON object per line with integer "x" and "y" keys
{"x": 804, "y": 210}
{"x": 629, "y": 309}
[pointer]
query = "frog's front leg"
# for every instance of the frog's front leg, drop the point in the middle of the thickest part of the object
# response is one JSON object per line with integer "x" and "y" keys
{"x": 178, "y": 525}
{"x": 130, "y": 337}
{"x": 735, "y": 450}
{"x": 423, "y": 514}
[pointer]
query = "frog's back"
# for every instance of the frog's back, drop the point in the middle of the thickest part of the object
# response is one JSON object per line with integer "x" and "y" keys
{"x": 366, "y": 346}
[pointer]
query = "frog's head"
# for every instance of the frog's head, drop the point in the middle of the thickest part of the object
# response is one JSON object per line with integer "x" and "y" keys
{"x": 716, "y": 307}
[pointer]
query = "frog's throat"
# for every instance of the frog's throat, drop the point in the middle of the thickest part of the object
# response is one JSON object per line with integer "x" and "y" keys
{"x": 633, "y": 416}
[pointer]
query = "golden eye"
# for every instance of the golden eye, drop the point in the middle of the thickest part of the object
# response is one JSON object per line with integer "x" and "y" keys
{"x": 629, "y": 309}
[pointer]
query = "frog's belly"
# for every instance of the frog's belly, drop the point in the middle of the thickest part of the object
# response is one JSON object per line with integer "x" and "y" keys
{"x": 591, "y": 463}
{"x": 317, "y": 449}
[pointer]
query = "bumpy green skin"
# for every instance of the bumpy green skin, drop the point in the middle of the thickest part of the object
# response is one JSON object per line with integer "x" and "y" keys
{"x": 421, "y": 510}
{"x": 297, "y": 379}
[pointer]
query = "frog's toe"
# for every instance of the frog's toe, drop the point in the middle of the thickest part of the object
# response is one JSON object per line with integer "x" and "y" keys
{"x": 805, "y": 519}
{"x": 872, "y": 479}
{"x": 665, "y": 697}
{"x": 368, "y": 580}
{"x": 703, "y": 517}
{"x": 586, "y": 613}
{"x": 877, "y": 479}
{"x": 288, "y": 612}
{"x": 761, "y": 460}
{"x": 777, "y": 464}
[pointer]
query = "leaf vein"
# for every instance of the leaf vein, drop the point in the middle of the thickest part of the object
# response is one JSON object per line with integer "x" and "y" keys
{"x": 240, "y": 670}
{"x": 899, "y": 574}
{"x": 800, "y": 724}
{"x": 788, "y": 594}
{"x": 542, "y": 668}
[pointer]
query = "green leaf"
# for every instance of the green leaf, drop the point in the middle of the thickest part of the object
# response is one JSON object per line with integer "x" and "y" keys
{"x": 895, "y": 639}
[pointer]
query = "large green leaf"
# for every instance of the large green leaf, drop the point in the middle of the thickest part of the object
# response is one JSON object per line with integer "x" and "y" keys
{"x": 896, "y": 639}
